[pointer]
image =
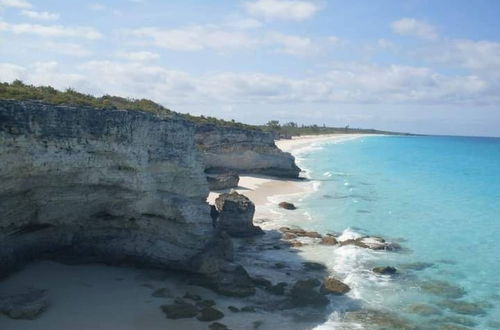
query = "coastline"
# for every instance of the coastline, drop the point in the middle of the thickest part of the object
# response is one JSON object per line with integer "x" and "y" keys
{"x": 264, "y": 191}
{"x": 85, "y": 296}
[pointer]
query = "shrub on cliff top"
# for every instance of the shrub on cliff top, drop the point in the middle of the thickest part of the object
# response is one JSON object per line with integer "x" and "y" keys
{"x": 17, "y": 90}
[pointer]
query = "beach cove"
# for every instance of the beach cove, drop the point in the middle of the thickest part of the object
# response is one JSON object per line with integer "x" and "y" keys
{"x": 87, "y": 293}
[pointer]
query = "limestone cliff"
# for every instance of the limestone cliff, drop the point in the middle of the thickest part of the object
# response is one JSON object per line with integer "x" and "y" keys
{"x": 244, "y": 151}
{"x": 99, "y": 185}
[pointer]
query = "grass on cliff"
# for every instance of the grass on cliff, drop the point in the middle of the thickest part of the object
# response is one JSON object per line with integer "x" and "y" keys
{"x": 18, "y": 90}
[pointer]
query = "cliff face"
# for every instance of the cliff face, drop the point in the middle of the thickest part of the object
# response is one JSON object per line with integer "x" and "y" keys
{"x": 243, "y": 151}
{"x": 99, "y": 185}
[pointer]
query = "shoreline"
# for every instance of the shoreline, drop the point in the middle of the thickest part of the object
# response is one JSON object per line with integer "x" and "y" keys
{"x": 108, "y": 297}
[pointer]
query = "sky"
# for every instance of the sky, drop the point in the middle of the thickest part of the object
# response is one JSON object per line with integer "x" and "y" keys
{"x": 420, "y": 66}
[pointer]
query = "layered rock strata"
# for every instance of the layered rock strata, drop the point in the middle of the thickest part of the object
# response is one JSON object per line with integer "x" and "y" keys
{"x": 99, "y": 185}
{"x": 243, "y": 151}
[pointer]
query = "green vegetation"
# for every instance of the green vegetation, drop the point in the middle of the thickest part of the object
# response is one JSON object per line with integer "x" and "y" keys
{"x": 293, "y": 129}
{"x": 17, "y": 90}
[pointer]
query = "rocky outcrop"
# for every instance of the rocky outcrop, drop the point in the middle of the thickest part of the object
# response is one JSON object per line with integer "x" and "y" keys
{"x": 287, "y": 206}
{"x": 236, "y": 215}
{"x": 28, "y": 305}
{"x": 333, "y": 286}
{"x": 99, "y": 185}
{"x": 244, "y": 151}
{"x": 385, "y": 270}
{"x": 223, "y": 181}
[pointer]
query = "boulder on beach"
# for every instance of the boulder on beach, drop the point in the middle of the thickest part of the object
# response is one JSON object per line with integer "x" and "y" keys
{"x": 223, "y": 181}
{"x": 287, "y": 206}
{"x": 27, "y": 305}
{"x": 333, "y": 286}
{"x": 232, "y": 280}
{"x": 386, "y": 270}
{"x": 236, "y": 215}
{"x": 218, "y": 326}
{"x": 208, "y": 314}
{"x": 179, "y": 310}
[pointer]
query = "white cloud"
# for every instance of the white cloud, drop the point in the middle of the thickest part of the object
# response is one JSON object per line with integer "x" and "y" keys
{"x": 415, "y": 28}
{"x": 51, "y": 30}
{"x": 294, "y": 45}
{"x": 192, "y": 38}
{"x": 483, "y": 56}
{"x": 245, "y": 23}
{"x": 40, "y": 15}
{"x": 345, "y": 83}
{"x": 138, "y": 56}
{"x": 65, "y": 48}
{"x": 294, "y": 10}
{"x": 15, "y": 4}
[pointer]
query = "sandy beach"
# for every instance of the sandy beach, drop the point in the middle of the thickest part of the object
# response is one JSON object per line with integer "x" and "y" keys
{"x": 262, "y": 189}
{"x": 104, "y": 297}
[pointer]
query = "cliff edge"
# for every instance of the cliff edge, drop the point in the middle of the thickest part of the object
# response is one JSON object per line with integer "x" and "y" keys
{"x": 242, "y": 150}
{"x": 99, "y": 185}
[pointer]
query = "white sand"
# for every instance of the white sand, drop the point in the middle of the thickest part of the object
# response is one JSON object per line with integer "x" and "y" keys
{"x": 95, "y": 297}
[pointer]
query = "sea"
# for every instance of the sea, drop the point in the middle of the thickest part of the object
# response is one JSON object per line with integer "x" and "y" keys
{"x": 436, "y": 196}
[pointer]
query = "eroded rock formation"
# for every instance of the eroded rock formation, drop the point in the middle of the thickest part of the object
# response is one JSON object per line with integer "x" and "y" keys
{"x": 99, "y": 185}
{"x": 243, "y": 151}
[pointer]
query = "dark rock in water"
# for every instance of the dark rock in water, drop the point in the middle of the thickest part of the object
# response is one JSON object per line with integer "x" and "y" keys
{"x": 205, "y": 303}
{"x": 248, "y": 309}
{"x": 463, "y": 307}
{"x": 416, "y": 266}
{"x": 333, "y": 286}
{"x": 304, "y": 293}
{"x": 278, "y": 289}
{"x": 27, "y": 306}
{"x": 379, "y": 319}
{"x": 233, "y": 309}
{"x": 223, "y": 181}
{"x": 179, "y": 310}
{"x": 279, "y": 265}
{"x": 161, "y": 293}
{"x": 236, "y": 215}
{"x": 289, "y": 236}
{"x": 442, "y": 289}
{"x": 313, "y": 266}
{"x": 329, "y": 240}
{"x": 386, "y": 270}
{"x": 287, "y": 206}
{"x": 423, "y": 309}
{"x": 372, "y": 242}
{"x": 311, "y": 234}
{"x": 457, "y": 319}
{"x": 294, "y": 243}
{"x": 218, "y": 326}
{"x": 208, "y": 314}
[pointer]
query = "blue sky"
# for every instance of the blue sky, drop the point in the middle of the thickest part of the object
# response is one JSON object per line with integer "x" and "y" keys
{"x": 408, "y": 65}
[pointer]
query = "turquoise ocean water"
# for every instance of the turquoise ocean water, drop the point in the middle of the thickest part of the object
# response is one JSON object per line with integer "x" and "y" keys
{"x": 439, "y": 197}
